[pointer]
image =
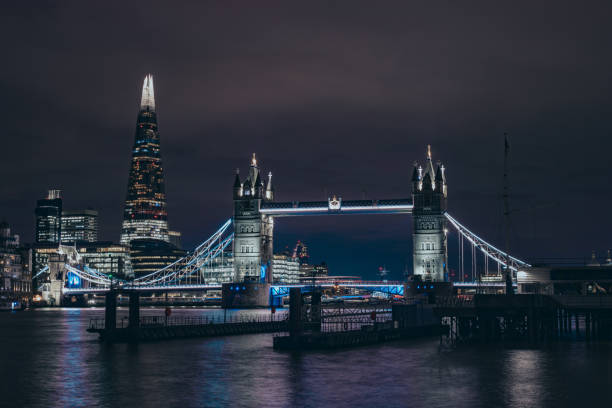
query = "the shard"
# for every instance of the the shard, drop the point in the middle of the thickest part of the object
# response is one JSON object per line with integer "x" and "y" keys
{"x": 145, "y": 214}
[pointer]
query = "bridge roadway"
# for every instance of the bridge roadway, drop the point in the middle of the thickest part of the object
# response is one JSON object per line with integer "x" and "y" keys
{"x": 391, "y": 288}
{"x": 336, "y": 207}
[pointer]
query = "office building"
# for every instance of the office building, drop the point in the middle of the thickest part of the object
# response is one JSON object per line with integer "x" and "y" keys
{"x": 285, "y": 269}
{"x": 15, "y": 270}
{"x": 106, "y": 257}
{"x": 79, "y": 226}
{"x": 150, "y": 255}
{"x": 48, "y": 218}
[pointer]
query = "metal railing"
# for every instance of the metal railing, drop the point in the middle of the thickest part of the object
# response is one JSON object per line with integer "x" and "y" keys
{"x": 159, "y": 321}
{"x": 455, "y": 301}
{"x": 584, "y": 301}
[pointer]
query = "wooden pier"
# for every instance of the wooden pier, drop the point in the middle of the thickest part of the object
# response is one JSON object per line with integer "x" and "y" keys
{"x": 528, "y": 319}
{"x": 152, "y": 328}
{"x": 158, "y": 328}
{"x": 350, "y": 325}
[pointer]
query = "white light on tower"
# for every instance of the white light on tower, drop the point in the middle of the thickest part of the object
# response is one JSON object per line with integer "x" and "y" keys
{"x": 148, "y": 96}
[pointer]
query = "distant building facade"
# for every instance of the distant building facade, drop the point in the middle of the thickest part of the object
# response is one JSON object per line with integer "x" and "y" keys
{"x": 79, "y": 226}
{"x": 285, "y": 269}
{"x": 308, "y": 271}
{"x": 103, "y": 256}
{"x": 107, "y": 257}
{"x": 49, "y": 218}
{"x": 55, "y": 225}
{"x": 150, "y": 255}
{"x": 15, "y": 267}
{"x": 220, "y": 270}
{"x": 174, "y": 237}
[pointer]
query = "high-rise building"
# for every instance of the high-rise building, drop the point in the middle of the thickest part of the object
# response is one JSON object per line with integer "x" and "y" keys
{"x": 429, "y": 233}
{"x": 15, "y": 266}
{"x": 150, "y": 255}
{"x": 49, "y": 218}
{"x": 79, "y": 226}
{"x": 308, "y": 271}
{"x": 144, "y": 214}
{"x": 8, "y": 240}
{"x": 106, "y": 257}
{"x": 174, "y": 238}
{"x": 285, "y": 269}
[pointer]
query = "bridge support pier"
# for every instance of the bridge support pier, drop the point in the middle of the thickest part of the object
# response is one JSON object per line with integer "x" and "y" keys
{"x": 315, "y": 310}
{"x": 110, "y": 314}
{"x": 134, "y": 316}
{"x": 245, "y": 295}
{"x": 296, "y": 326}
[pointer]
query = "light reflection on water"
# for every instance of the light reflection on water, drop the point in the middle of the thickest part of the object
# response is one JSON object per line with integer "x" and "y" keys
{"x": 47, "y": 359}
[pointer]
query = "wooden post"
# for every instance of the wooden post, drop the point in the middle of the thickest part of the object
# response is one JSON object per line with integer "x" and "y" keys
{"x": 587, "y": 325}
{"x": 315, "y": 310}
{"x": 577, "y": 322}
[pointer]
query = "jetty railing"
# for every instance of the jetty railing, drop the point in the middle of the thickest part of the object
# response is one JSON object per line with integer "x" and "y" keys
{"x": 159, "y": 321}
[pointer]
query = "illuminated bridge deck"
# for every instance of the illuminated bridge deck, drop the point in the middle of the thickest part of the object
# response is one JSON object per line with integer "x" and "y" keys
{"x": 391, "y": 288}
{"x": 335, "y": 207}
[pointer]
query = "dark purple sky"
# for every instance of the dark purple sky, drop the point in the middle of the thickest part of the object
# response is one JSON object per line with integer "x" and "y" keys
{"x": 333, "y": 96}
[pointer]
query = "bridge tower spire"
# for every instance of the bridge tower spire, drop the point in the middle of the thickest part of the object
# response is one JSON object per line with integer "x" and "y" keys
{"x": 429, "y": 230}
{"x": 253, "y": 231}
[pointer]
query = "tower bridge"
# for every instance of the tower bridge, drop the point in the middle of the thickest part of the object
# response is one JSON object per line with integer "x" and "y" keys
{"x": 243, "y": 246}
{"x": 255, "y": 210}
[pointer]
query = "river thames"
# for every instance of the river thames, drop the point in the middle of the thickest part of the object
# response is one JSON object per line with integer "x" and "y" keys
{"x": 47, "y": 359}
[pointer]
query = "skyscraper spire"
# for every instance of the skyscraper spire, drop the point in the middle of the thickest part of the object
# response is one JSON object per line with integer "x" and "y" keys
{"x": 145, "y": 214}
{"x": 148, "y": 97}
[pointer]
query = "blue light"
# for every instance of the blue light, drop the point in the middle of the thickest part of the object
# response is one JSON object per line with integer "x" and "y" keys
{"x": 418, "y": 286}
{"x": 431, "y": 286}
{"x": 73, "y": 280}
{"x": 243, "y": 288}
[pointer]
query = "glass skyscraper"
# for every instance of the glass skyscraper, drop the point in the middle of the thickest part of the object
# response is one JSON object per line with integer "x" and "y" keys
{"x": 145, "y": 214}
{"x": 49, "y": 218}
{"x": 79, "y": 226}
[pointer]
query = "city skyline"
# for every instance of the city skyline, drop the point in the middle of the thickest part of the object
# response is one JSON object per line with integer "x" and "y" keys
{"x": 305, "y": 204}
{"x": 324, "y": 132}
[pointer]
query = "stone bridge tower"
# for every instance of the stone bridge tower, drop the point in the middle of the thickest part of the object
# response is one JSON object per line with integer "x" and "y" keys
{"x": 429, "y": 233}
{"x": 253, "y": 231}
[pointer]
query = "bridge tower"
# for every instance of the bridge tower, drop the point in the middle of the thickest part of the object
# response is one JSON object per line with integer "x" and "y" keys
{"x": 253, "y": 231}
{"x": 429, "y": 237}
{"x": 57, "y": 278}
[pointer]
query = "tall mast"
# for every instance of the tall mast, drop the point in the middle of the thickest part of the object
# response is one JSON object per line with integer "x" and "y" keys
{"x": 508, "y": 271}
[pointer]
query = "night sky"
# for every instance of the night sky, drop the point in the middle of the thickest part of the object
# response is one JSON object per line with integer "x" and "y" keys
{"x": 335, "y": 97}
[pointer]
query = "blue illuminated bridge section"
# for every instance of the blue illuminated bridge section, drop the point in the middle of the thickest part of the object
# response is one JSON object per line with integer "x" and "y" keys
{"x": 337, "y": 206}
{"x": 281, "y": 290}
{"x": 389, "y": 288}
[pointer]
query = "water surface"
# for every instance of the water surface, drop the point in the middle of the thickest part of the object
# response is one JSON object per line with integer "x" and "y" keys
{"x": 47, "y": 359}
